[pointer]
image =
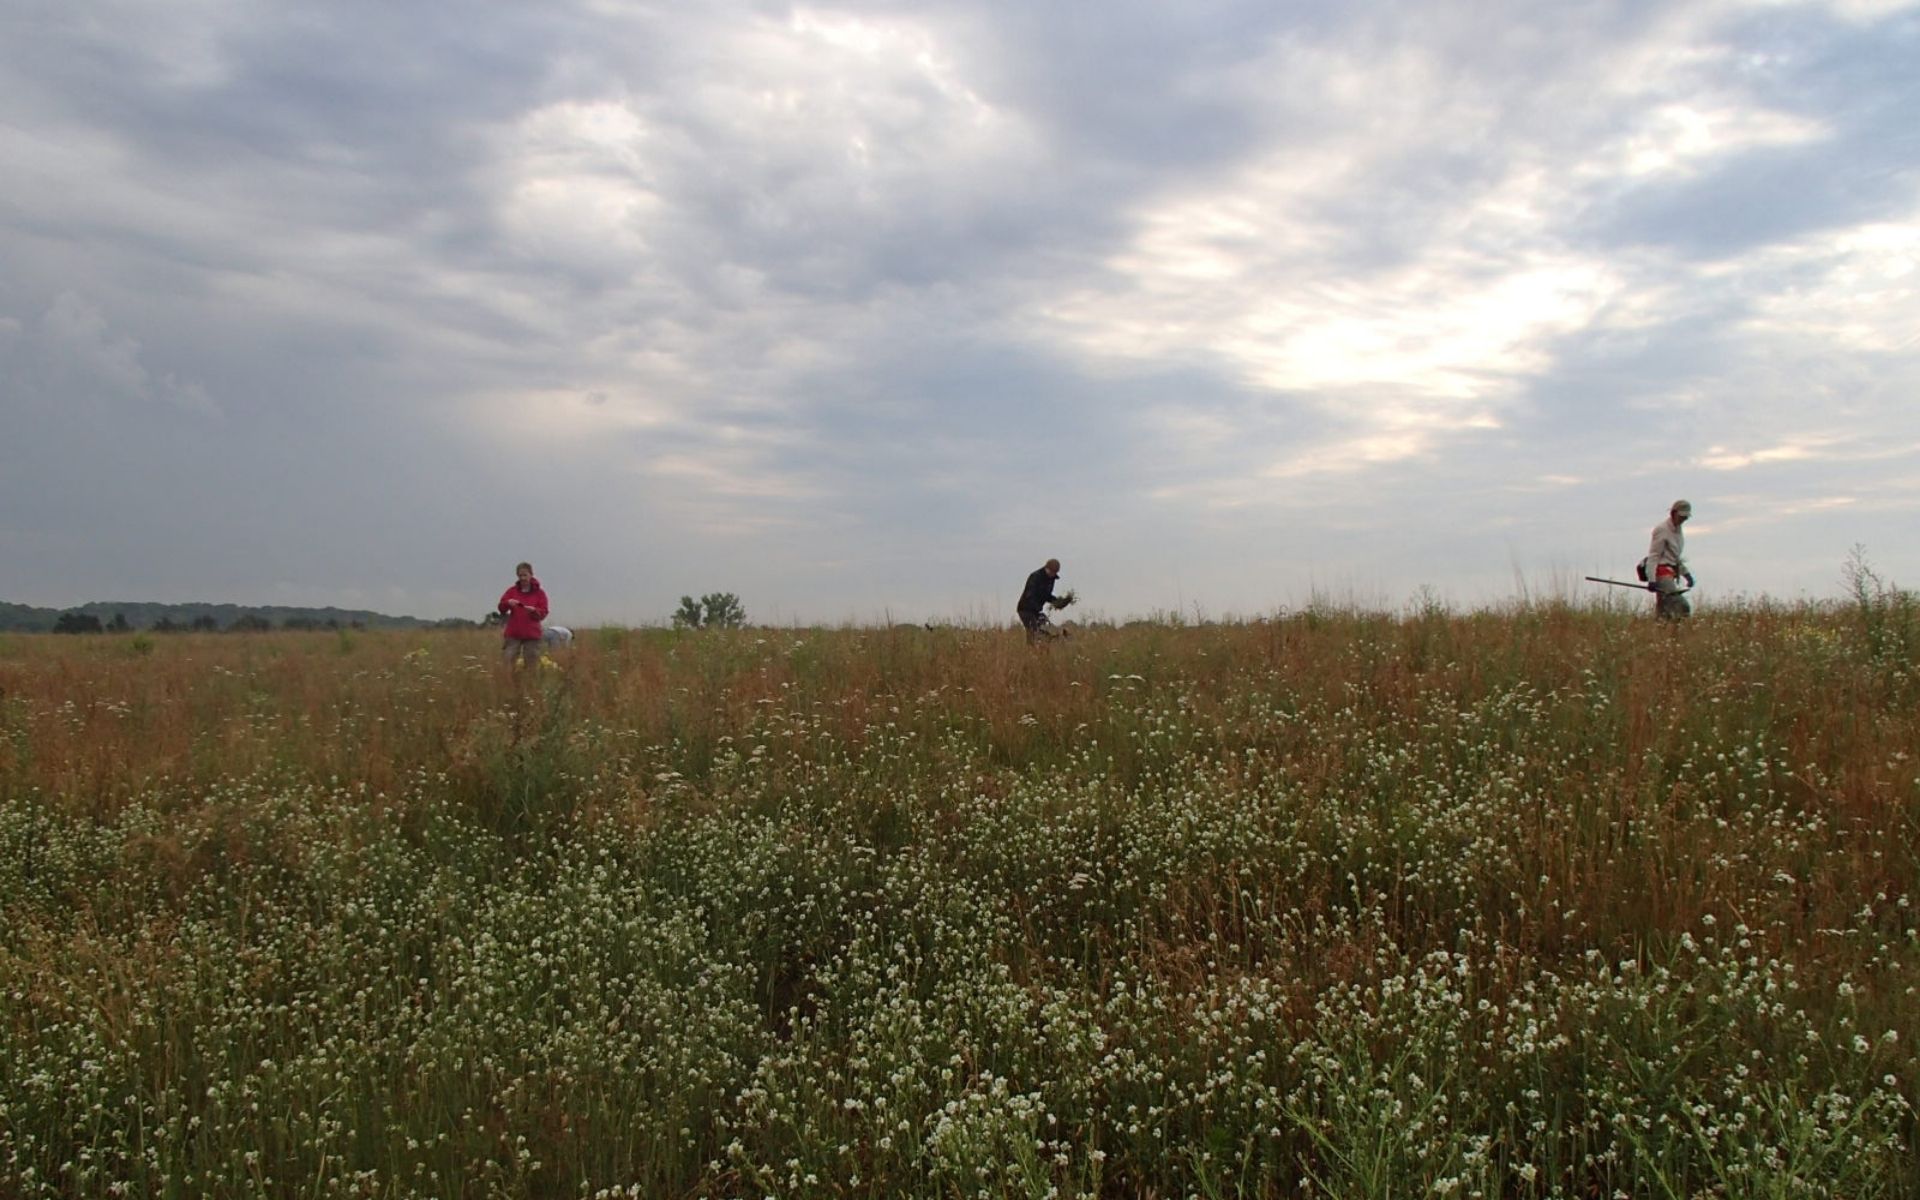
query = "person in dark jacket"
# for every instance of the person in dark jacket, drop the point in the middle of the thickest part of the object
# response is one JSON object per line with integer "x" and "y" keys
{"x": 525, "y": 606}
{"x": 1037, "y": 597}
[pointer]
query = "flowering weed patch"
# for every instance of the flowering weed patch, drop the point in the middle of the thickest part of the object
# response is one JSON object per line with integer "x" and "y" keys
{"x": 1542, "y": 904}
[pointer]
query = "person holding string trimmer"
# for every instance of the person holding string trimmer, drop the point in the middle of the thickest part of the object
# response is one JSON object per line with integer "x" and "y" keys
{"x": 1666, "y": 565}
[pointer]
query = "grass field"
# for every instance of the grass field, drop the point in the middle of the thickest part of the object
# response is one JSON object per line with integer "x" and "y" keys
{"x": 1550, "y": 902}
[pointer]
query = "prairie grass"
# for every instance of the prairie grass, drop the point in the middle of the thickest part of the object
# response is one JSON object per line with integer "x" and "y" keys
{"x": 1544, "y": 902}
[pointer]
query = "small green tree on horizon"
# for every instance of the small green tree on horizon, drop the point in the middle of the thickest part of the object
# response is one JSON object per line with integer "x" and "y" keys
{"x": 688, "y": 615}
{"x": 715, "y": 610}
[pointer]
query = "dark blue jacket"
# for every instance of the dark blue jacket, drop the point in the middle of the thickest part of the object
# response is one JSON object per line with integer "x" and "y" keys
{"x": 1038, "y": 594}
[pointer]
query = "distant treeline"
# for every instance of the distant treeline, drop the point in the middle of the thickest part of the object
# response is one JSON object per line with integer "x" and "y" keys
{"x": 183, "y": 618}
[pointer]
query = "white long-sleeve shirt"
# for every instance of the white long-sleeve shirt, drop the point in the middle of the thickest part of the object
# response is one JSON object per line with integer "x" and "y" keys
{"x": 1669, "y": 548}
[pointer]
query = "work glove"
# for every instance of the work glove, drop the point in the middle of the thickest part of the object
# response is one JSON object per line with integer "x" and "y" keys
{"x": 1689, "y": 579}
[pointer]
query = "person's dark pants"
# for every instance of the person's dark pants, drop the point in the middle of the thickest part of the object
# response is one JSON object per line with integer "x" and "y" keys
{"x": 1032, "y": 621}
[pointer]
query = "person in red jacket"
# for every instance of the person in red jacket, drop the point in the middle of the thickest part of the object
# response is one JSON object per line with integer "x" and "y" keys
{"x": 525, "y": 606}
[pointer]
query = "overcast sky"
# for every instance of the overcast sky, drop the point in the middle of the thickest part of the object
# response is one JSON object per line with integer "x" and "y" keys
{"x": 862, "y": 310}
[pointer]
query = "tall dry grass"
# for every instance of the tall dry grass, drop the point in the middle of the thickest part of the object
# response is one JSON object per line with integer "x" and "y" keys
{"x": 1551, "y": 901}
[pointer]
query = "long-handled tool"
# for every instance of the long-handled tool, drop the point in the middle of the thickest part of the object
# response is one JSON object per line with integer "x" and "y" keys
{"x": 1641, "y": 587}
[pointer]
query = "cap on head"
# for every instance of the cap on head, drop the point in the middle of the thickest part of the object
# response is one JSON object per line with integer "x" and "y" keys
{"x": 1053, "y": 564}
{"x": 1682, "y": 508}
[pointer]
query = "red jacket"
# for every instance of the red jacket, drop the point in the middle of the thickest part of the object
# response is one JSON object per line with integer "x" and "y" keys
{"x": 523, "y": 619}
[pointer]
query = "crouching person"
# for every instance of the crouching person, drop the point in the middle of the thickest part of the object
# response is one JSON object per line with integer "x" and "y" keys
{"x": 1036, "y": 598}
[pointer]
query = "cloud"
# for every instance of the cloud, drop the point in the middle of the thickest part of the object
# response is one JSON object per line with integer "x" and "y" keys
{"x": 1863, "y": 12}
{"x": 1856, "y": 288}
{"x": 1261, "y": 271}
{"x": 1682, "y": 139}
{"x": 70, "y": 355}
{"x": 800, "y": 298}
{"x": 1756, "y": 513}
{"x": 1719, "y": 458}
